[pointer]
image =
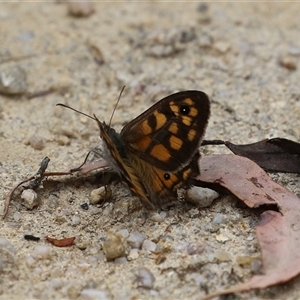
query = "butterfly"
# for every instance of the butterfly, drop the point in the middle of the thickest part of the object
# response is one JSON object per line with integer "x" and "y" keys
{"x": 157, "y": 152}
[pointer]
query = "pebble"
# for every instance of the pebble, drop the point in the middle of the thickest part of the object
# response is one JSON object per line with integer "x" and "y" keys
{"x": 17, "y": 216}
{"x": 12, "y": 80}
{"x": 222, "y": 238}
{"x": 108, "y": 209}
{"x": 37, "y": 142}
{"x": 30, "y": 261}
{"x": 60, "y": 219}
{"x": 145, "y": 278}
{"x": 56, "y": 283}
{"x": 76, "y": 220}
{"x": 288, "y": 62}
{"x": 149, "y": 246}
{"x": 156, "y": 217}
{"x": 222, "y": 256}
{"x": 81, "y": 244}
{"x": 5, "y": 244}
{"x": 196, "y": 277}
{"x": 218, "y": 219}
{"x": 41, "y": 252}
{"x": 84, "y": 206}
{"x": 221, "y": 46}
{"x": 120, "y": 260}
{"x": 93, "y": 294}
{"x": 124, "y": 233}
{"x": 63, "y": 140}
{"x": 72, "y": 291}
{"x": 52, "y": 201}
{"x": 256, "y": 266}
{"x": 114, "y": 246}
{"x": 30, "y": 198}
{"x": 201, "y": 197}
{"x": 133, "y": 254}
{"x": 101, "y": 194}
{"x": 136, "y": 239}
{"x": 193, "y": 249}
{"x": 244, "y": 259}
{"x": 95, "y": 258}
{"x": 205, "y": 41}
{"x": 80, "y": 9}
{"x": 204, "y": 14}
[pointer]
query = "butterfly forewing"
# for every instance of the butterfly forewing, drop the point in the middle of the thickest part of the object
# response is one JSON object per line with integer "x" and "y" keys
{"x": 168, "y": 134}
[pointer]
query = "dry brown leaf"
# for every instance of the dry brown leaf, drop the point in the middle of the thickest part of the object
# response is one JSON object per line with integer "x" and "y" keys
{"x": 277, "y": 232}
{"x": 66, "y": 242}
{"x": 277, "y": 154}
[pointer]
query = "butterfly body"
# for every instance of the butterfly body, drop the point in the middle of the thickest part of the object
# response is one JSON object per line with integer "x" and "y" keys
{"x": 157, "y": 152}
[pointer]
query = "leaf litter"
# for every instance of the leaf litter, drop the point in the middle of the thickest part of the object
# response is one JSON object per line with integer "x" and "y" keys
{"x": 277, "y": 232}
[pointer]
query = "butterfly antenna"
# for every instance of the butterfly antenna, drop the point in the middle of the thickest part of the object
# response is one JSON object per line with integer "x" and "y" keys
{"x": 123, "y": 88}
{"x": 80, "y": 112}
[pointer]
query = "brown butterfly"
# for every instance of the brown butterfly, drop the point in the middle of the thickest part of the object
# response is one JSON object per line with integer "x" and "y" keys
{"x": 157, "y": 152}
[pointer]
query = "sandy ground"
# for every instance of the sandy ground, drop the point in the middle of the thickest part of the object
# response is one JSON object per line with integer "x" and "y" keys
{"x": 245, "y": 56}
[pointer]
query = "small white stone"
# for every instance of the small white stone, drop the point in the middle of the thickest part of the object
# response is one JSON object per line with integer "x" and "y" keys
{"x": 145, "y": 278}
{"x": 155, "y": 217}
{"x": 222, "y": 238}
{"x": 133, "y": 254}
{"x": 56, "y": 283}
{"x": 30, "y": 199}
{"x": 218, "y": 219}
{"x": 136, "y": 239}
{"x": 16, "y": 216}
{"x": 221, "y": 46}
{"x": 37, "y": 142}
{"x": 5, "y": 244}
{"x": 202, "y": 197}
{"x": 149, "y": 246}
{"x": 108, "y": 210}
{"x": 41, "y": 252}
{"x": 121, "y": 260}
{"x": 93, "y": 294}
{"x": 101, "y": 194}
{"x": 76, "y": 220}
{"x": 124, "y": 233}
{"x": 12, "y": 80}
{"x": 30, "y": 261}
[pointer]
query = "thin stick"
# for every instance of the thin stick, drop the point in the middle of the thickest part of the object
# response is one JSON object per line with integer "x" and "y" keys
{"x": 212, "y": 142}
{"x": 9, "y": 196}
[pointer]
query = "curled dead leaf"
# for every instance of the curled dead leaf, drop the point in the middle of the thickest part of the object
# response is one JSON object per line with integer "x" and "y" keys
{"x": 277, "y": 232}
{"x": 66, "y": 242}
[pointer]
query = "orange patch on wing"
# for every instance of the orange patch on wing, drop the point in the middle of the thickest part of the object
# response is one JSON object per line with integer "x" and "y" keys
{"x": 169, "y": 183}
{"x": 175, "y": 142}
{"x": 161, "y": 119}
{"x": 188, "y": 101}
{"x": 193, "y": 112}
{"x": 191, "y": 134}
{"x": 146, "y": 128}
{"x": 142, "y": 144}
{"x": 160, "y": 152}
{"x": 173, "y": 128}
{"x": 186, "y": 174}
{"x": 174, "y": 107}
{"x": 187, "y": 120}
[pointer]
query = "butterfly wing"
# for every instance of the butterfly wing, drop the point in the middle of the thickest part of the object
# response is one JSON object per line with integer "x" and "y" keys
{"x": 168, "y": 134}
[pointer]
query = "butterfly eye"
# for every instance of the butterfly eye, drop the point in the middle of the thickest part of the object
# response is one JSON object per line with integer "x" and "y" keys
{"x": 166, "y": 176}
{"x": 185, "y": 110}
